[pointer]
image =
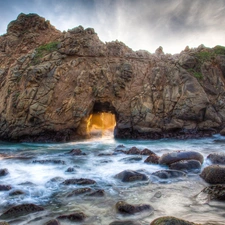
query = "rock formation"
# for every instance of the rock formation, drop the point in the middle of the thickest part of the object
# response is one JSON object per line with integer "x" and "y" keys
{"x": 52, "y": 81}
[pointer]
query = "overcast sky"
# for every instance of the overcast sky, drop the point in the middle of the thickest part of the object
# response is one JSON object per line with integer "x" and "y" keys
{"x": 140, "y": 24}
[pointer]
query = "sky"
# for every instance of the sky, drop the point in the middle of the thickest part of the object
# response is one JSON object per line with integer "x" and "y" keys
{"x": 140, "y": 24}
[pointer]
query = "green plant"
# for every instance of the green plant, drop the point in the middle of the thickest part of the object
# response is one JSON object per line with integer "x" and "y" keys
{"x": 196, "y": 73}
{"x": 45, "y": 49}
{"x": 204, "y": 56}
{"x": 219, "y": 50}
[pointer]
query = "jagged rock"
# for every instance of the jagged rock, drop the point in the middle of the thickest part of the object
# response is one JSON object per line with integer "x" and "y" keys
{"x": 130, "y": 176}
{"x": 167, "y": 220}
{"x": 80, "y": 181}
{"x": 52, "y": 222}
{"x": 70, "y": 170}
{"x": 124, "y": 222}
{"x": 76, "y": 152}
{"x": 16, "y": 192}
{"x": 76, "y": 216}
{"x": 217, "y": 158}
{"x": 20, "y": 210}
{"x": 49, "y": 161}
{"x": 133, "y": 151}
{"x": 214, "y": 174}
{"x": 172, "y": 157}
{"x": 167, "y": 174}
{"x": 79, "y": 191}
{"x": 5, "y": 187}
{"x": 186, "y": 165}
{"x": 153, "y": 159}
{"x": 4, "y": 172}
{"x": 96, "y": 193}
{"x": 52, "y": 81}
{"x": 147, "y": 152}
{"x": 125, "y": 208}
{"x": 215, "y": 192}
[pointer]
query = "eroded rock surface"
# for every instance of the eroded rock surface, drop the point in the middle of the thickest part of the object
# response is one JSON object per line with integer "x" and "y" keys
{"x": 52, "y": 81}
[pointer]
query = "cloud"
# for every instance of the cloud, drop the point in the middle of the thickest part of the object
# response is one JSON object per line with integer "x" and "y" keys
{"x": 144, "y": 24}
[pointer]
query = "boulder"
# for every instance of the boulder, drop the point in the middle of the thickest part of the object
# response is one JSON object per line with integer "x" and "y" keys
{"x": 4, "y": 172}
{"x": 52, "y": 222}
{"x": 222, "y": 132}
{"x": 133, "y": 151}
{"x": 4, "y": 223}
{"x": 79, "y": 191}
{"x": 20, "y": 210}
{"x": 172, "y": 157}
{"x": 80, "y": 181}
{"x": 217, "y": 158}
{"x": 75, "y": 217}
{"x": 153, "y": 159}
{"x": 70, "y": 170}
{"x": 131, "y": 175}
{"x": 214, "y": 174}
{"x": 5, "y": 187}
{"x": 96, "y": 193}
{"x": 124, "y": 222}
{"x": 168, "y": 174}
{"x": 169, "y": 220}
{"x": 186, "y": 165}
{"x": 76, "y": 152}
{"x": 16, "y": 192}
{"x": 215, "y": 192}
{"x": 125, "y": 208}
{"x": 49, "y": 161}
{"x": 147, "y": 152}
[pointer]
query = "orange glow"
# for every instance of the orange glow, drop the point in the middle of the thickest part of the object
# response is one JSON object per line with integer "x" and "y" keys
{"x": 101, "y": 122}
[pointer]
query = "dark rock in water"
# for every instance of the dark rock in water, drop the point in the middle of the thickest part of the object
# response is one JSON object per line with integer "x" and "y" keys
{"x": 147, "y": 152}
{"x": 16, "y": 192}
{"x": 214, "y": 174}
{"x": 125, "y": 208}
{"x": 21, "y": 210}
{"x": 76, "y": 152}
{"x": 79, "y": 191}
{"x": 4, "y": 172}
{"x": 173, "y": 157}
{"x": 52, "y": 222}
{"x": 222, "y": 132}
{"x": 153, "y": 159}
{"x": 70, "y": 170}
{"x": 125, "y": 222}
{"x": 76, "y": 216}
{"x": 120, "y": 148}
{"x": 186, "y": 165}
{"x": 167, "y": 174}
{"x": 27, "y": 183}
{"x": 133, "y": 151}
{"x": 169, "y": 220}
{"x": 97, "y": 193}
{"x": 49, "y": 161}
{"x": 80, "y": 181}
{"x": 105, "y": 154}
{"x": 132, "y": 159}
{"x": 5, "y": 187}
{"x": 4, "y": 223}
{"x": 215, "y": 192}
{"x": 217, "y": 158}
{"x": 130, "y": 175}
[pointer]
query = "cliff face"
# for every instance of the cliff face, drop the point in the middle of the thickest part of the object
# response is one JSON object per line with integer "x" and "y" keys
{"x": 51, "y": 82}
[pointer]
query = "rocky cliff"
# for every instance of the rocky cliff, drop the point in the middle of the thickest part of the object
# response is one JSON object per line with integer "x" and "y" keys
{"x": 52, "y": 81}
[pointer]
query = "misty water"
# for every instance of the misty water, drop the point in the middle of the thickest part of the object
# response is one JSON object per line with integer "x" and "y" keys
{"x": 42, "y": 183}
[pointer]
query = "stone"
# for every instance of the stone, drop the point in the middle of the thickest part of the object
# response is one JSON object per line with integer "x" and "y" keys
{"x": 70, "y": 170}
{"x": 222, "y": 132}
{"x": 215, "y": 192}
{"x": 217, "y": 158}
{"x": 168, "y": 174}
{"x": 214, "y": 174}
{"x": 5, "y": 187}
{"x": 80, "y": 181}
{"x": 186, "y": 166}
{"x": 131, "y": 176}
{"x": 49, "y": 161}
{"x": 4, "y": 223}
{"x": 96, "y": 193}
{"x": 147, "y": 152}
{"x": 75, "y": 217}
{"x": 20, "y": 210}
{"x": 125, "y": 208}
{"x": 4, "y": 172}
{"x": 124, "y": 222}
{"x": 79, "y": 191}
{"x": 52, "y": 222}
{"x": 152, "y": 159}
{"x": 169, "y": 220}
{"x": 172, "y": 157}
{"x": 16, "y": 192}
{"x": 133, "y": 151}
{"x": 76, "y": 152}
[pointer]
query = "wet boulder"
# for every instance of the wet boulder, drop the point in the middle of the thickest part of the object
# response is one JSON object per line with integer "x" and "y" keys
{"x": 133, "y": 151}
{"x": 76, "y": 152}
{"x": 20, "y": 210}
{"x": 131, "y": 175}
{"x": 70, "y": 170}
{"x": 187, "y": 165}
{"x": 173, "y": 157}
{"x": 124, "y": 222}
{"x": 96, "y": 193}
{"x": 4, "y": 172}
{"x": 75, "y": 217}
{"x": 120, "y": 149}
{"x": 147, "y": 152}
{"x": 132, "y": 159}
{"x": 79, "y": 191}
{"x": 49, "y": 161}
{"x": 80, "y": 181}
{"x": 214, "y": 174}
{"x": 125, "y": 208}
{"x": 4, "y": 223}
{"x": 217, "y": 158}
{"x": 52, "y": 222}
{"x": 168, "y": 174}
{"x": 16, "y": 192}
{"x": 215, "y": 192}
{"x": 169, "y": 220}
{"x": 5, "y": 187}
{"x": 152, "y": 159}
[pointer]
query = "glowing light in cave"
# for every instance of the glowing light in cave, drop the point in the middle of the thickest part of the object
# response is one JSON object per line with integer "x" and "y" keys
{"x": 101, "y": 123}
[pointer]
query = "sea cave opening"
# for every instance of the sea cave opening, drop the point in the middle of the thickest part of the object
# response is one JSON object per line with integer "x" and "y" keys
{"x": 102, "y": 120}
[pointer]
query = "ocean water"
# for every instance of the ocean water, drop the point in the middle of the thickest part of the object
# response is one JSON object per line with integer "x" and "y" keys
{"x": 42, "y": 183}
